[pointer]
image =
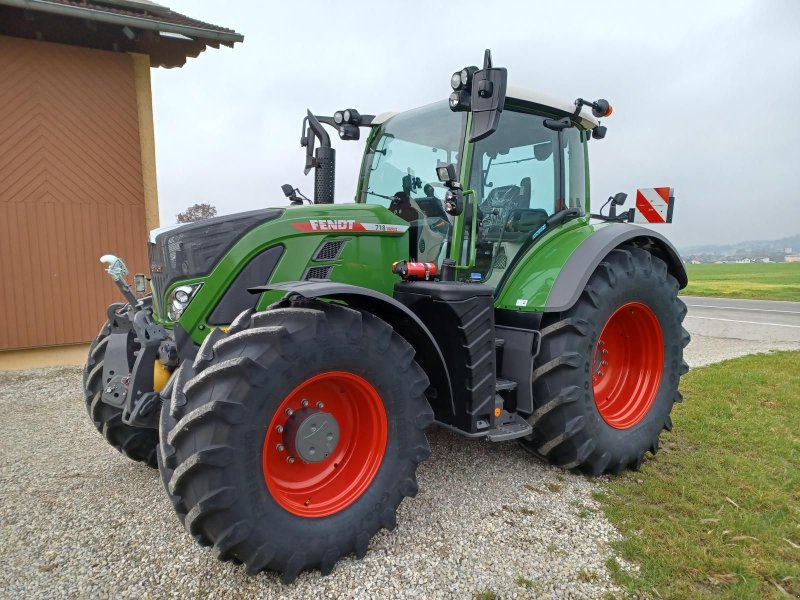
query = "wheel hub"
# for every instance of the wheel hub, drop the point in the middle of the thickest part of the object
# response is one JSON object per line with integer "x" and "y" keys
{"x": 311, "y": 434}
{"x": 628, "y": 364}
{"x": 324, "y": 444}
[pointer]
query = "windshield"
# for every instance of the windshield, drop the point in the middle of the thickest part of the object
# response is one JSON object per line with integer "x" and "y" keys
{"x": 400, "y": 173}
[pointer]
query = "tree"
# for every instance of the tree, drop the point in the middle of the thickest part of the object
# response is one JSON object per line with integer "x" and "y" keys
{"x": 197, "y": 212}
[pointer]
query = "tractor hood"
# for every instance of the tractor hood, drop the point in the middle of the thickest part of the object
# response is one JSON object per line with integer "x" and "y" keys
{"x": 220, "y": 258}
{"x": 192, "y": 250}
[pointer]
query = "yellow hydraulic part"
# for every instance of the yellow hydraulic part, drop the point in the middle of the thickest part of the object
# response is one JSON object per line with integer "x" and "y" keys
{"x": 161, "y": 376}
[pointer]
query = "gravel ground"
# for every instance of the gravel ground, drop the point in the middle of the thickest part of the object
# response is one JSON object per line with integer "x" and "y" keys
{"x": 77, "y": 519}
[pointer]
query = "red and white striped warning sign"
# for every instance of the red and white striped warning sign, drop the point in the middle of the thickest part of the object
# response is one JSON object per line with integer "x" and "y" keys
{"x": 654, "y": 205}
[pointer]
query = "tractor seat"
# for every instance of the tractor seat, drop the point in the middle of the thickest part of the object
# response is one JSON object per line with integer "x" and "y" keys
{"x": 523, "y": 222}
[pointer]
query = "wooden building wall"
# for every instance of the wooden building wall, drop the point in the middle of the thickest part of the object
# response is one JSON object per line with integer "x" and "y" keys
{"x": 71, "y": 188}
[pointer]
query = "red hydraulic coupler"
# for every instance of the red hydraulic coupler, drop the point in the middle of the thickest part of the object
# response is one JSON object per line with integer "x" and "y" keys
{"x": 411, "y": 271}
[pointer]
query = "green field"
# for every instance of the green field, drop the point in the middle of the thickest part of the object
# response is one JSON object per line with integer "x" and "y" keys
{"x": 716, "y": 513}
{"x": 759, "y": 281}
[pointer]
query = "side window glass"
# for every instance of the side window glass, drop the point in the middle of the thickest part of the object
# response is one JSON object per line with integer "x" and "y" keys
{"x": 574, "y": 169}
{"x": 515, "y": 175}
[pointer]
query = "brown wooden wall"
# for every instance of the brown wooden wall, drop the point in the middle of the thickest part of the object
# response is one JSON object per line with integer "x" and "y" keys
{"x": 70, "y": 188}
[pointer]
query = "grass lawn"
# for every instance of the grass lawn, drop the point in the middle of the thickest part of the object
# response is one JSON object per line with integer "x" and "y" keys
{"x": 770, "y": 281}
{"x": 716, "y": 514}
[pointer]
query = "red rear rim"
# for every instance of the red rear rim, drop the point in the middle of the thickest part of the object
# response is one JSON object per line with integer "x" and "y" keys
{"x": 323, "y": 488}
{"x": 628, "y": 363}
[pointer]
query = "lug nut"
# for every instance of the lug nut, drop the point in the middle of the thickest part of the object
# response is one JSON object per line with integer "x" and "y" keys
{"x": 279, "y": 429}
{"x": 320, "y": 405}
{"x": 304, "y": 403}
{"x": 289, "y": 412}
{"x": 605, "y": 351}
{"x": 290, "y": 459}
{"x": 280, "y": 447}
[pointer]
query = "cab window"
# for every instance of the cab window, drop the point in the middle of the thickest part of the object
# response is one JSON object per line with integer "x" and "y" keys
{"x": 400, "y": 173}
{"x": 517, "y": 175}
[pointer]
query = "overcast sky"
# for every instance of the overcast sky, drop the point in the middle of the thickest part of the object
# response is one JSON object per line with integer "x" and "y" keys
{"x": 705, "y": 96}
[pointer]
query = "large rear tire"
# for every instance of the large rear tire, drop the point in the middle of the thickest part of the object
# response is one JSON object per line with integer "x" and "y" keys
{"x": 234, "y": 470}
{"x": 134, "y": 442}
{"x": 607, "y": 374}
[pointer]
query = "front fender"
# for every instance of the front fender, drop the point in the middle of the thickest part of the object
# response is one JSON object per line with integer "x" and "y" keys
{"x": 428, "y": 354}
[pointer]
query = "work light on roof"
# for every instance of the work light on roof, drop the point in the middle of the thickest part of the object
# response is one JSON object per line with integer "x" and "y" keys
{"x": 466, "y": 76}
{"x": 459, "y": 100}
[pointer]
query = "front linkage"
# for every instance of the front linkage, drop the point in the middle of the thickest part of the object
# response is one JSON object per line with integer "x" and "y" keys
{"x": 137, "y": 392}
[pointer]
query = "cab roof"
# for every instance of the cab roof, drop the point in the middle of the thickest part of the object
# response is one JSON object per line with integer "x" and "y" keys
{"x": 528, "y": 95}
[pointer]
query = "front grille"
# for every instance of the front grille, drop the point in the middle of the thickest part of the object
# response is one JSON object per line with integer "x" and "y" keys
{"x": 193, "y": 250}
{"x": 318, "y": 273}
{"x": 158, "y": 278}
{"x": 329, "y": 250}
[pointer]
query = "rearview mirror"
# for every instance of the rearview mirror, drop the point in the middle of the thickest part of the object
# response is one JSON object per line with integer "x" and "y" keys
{"x": 482, "y": 92}
{"x": 488, "y": 97}
{"x": 617, "y": 200}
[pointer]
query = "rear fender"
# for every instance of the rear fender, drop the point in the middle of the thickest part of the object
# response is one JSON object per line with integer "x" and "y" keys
{"x": 583, "y": 261}
{"x": 403, "y": 321}
{"x": 553, "y": 272}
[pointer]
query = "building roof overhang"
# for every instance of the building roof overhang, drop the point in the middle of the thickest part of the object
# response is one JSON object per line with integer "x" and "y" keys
{"x": 117, "y": 25}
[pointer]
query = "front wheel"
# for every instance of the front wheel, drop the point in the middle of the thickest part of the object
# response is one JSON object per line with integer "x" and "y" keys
{"x": 607, "y": 374}
{"x": 134, "y": 442}
{"x": 293, "y": 438}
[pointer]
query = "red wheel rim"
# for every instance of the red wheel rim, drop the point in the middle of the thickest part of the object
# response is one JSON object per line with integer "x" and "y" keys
{"x": 323, "y": 488}
{"x": 628, "y": 363}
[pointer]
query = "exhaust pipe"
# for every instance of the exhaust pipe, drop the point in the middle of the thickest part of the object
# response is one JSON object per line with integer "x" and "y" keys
{"x": 323, "y": 160}
{"x": 324, "y": 175}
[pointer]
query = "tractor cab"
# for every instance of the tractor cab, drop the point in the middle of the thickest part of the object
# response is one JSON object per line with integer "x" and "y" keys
{"x": 515, "y": 179}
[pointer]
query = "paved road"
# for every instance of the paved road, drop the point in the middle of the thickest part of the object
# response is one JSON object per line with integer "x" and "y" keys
{"x": 759, "y": 320}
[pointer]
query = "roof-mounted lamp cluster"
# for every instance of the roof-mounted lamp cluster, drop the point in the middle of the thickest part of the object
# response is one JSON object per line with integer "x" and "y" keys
{"x": 347, "y": 122}
{"x": 461, "y": 82}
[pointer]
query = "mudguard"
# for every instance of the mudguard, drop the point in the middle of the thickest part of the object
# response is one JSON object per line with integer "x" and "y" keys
{"x": 406, "y": 323}
{"x": 583, "y": 261}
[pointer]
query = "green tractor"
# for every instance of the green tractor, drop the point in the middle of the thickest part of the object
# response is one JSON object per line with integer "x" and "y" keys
{"x": 285, "y": 366}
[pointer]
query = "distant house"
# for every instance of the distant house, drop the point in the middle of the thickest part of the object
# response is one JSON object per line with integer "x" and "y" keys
{"x": 77, "y": 160}
{"x": 792, "y": 258}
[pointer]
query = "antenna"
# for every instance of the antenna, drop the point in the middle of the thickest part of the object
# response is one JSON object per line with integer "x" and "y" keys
{"x": 487, "y": 59}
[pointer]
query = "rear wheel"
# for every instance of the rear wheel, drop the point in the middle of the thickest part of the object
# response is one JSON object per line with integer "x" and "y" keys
{"x": 134, "y": 442}
{"x": 291, "y": 439}
{"x": 608, "y": 371}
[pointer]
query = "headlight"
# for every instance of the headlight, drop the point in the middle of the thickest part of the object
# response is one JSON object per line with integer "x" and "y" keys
{"x": 179, "y": 299}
